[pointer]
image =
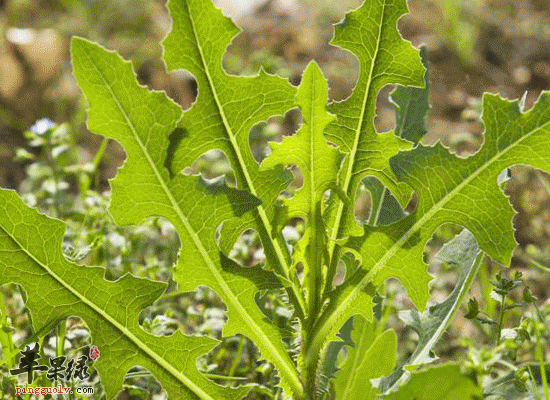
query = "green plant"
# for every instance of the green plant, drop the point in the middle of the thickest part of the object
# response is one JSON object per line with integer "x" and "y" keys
{"x": 503, "y": 370}
{"x": 462, "y": 32}
{"x": 335, "y": 149}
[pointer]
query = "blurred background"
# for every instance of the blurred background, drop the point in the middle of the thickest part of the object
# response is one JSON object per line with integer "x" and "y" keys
{"x": 473, "y": 46}
{"x": 46, "y": 152}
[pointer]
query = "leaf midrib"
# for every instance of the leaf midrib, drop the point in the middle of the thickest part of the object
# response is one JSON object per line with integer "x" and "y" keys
{"x": 236, "y": 149}
{"x": 399, "y": 133}
{"x": 240, "y": 310}
{"x": 312, "y": 168}
{"x": 319, "y": 338}
{"x": 351, "y": 165}
{"x": 369, "y": 277}
{"x": 125, "y": 331}
{"x": 290, "y": 369}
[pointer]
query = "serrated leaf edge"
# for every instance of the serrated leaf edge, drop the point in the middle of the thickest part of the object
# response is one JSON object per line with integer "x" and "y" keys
{"x": 289, "y": 370}
{"x": 181, "y": 377}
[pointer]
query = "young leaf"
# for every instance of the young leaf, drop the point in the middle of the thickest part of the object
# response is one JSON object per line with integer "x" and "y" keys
{"x": 430, "y": 325}
{"x": 142, "y": 121}
{"x": 308, "y": 148}
{"x": 30, "y": 255}
{"x": 319, "y": 162}
{"x": 444, "y": 382}
{"x": 473, "y": 309}
{"x": 370, "y": 358}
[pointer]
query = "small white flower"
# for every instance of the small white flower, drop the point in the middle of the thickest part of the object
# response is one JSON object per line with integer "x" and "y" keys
{"x": 508, "y": 334}
{"x": 42, "y": 126}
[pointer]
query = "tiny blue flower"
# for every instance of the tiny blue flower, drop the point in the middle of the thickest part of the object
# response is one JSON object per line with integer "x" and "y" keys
{"x": 42, "y": 126}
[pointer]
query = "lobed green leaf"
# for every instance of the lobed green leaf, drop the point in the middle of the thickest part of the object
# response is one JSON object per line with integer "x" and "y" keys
{"x": 30, "y": 255}
{"x": 125, "y": 111}
{"x": 227, "y": 107}
{"x": 384, "y": 58}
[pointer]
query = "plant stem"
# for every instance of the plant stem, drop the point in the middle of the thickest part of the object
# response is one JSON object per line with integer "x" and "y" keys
{"x": 501, "y": 318}
{"x": 237, "y": 358}
{"x": 6, "y": 339}
{"x": 315, "y": 252}
{"x": 97, "y": 160}
{"x": 61, "y": 328}
{"x": 315, "y": 261}
{"x": 534, "y": 383}
{"x": 537, "y": 264}
{"x": 486, "y": 289}
{"x": 540, "y": 356}
{"x": 55, "y": 173}
{"x": 375, "y": 212}
{"x": 225, "y": 378}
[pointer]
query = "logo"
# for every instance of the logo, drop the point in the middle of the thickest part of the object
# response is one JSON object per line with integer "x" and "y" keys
{"x": 94, "y": 353}
{"x": 59, "y": 368}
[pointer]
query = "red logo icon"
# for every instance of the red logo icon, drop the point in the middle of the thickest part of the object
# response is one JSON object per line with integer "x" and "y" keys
{"x": 94, "y": 353}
